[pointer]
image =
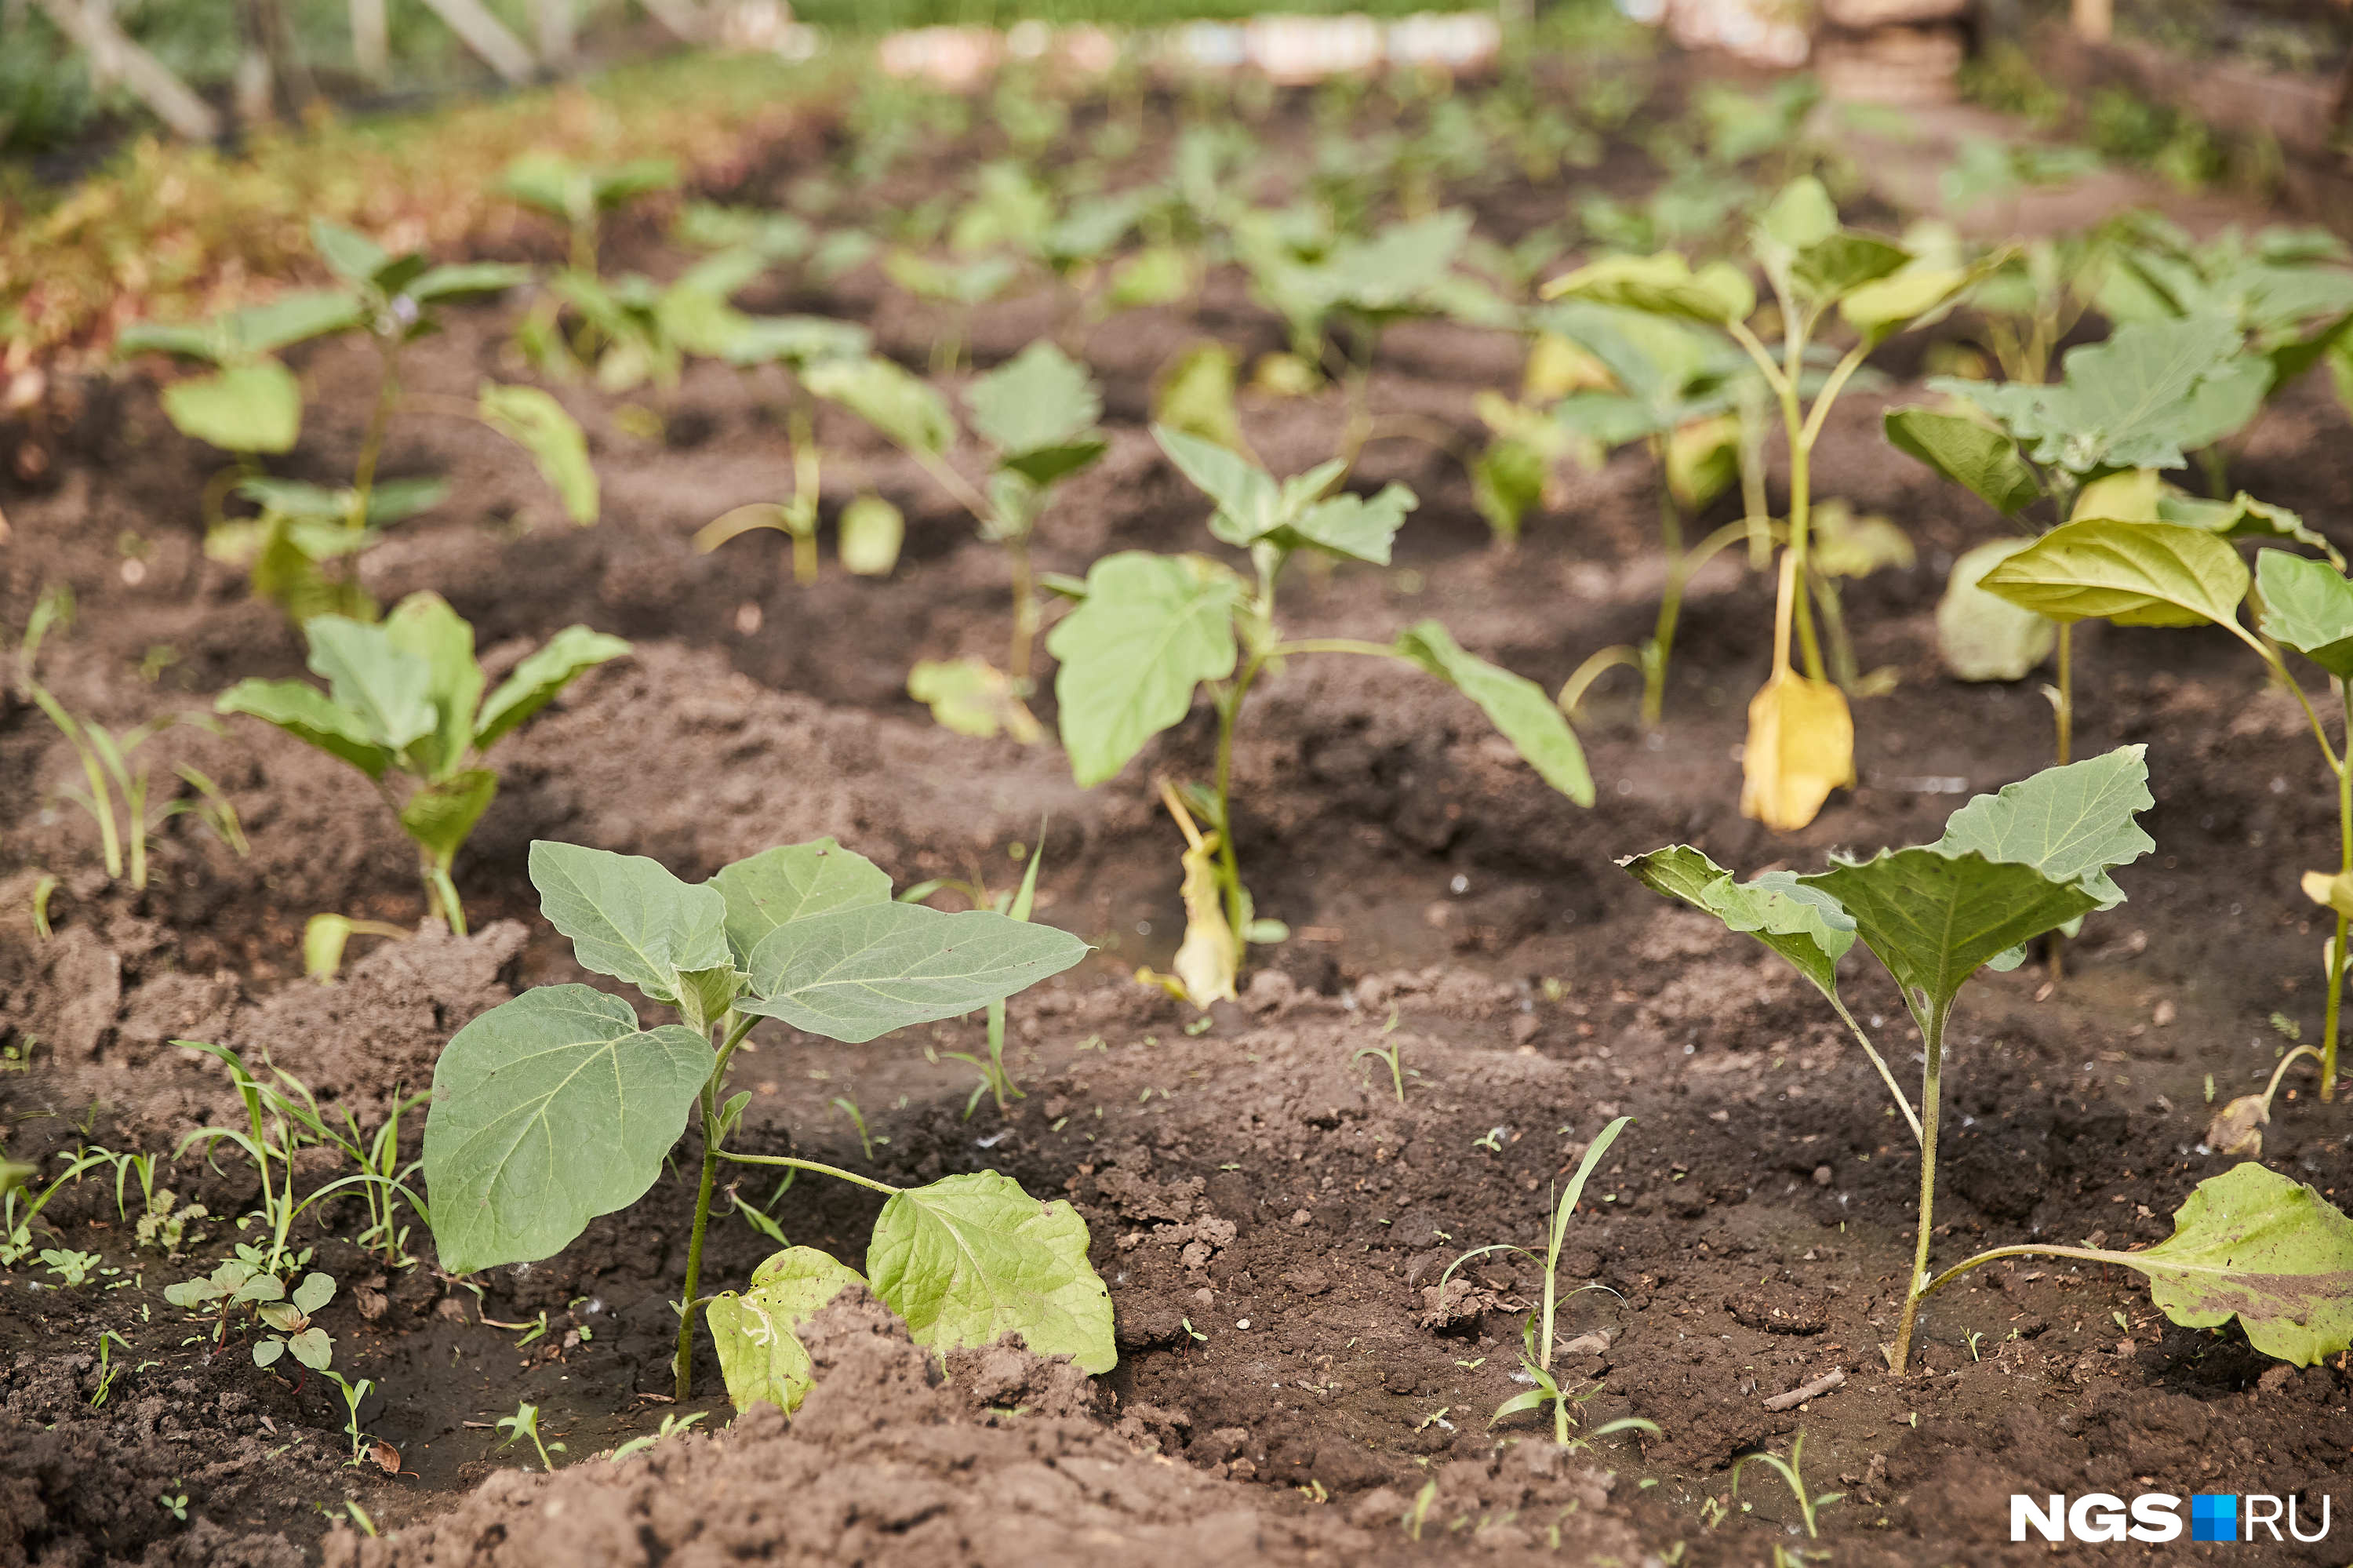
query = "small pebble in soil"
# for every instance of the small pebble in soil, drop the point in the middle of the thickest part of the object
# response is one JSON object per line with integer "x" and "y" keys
{"x": 1241, "y": 1323}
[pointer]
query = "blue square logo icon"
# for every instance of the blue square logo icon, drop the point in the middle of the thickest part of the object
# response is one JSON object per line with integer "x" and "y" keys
{"x": 2214, "y": 1516}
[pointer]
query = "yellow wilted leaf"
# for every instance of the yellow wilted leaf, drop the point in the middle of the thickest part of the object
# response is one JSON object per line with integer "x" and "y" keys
{"x": 1704, "y": 459}
{"x": 1210, "y": 958}
{"x": 2329, "y": 891}
{"x": 1558, "y": 368}
{"x": 1801, "y": 748}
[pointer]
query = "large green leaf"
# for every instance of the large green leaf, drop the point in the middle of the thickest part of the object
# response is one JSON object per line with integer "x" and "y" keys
{"x": 1662, "y": 285}
{"x": 307, "y": 713}
{"x": 758, "y": 1331}
{"x": 388, "y": 688}
{"x": 627, "y": 916}
{"x": 534, "y": 683}
{"x": 970, "y": 1258}
{"x": 1848, "y": 262}
{"x": 441, "y": 814}
{"x": 548, "y": 1111}
{"x": 1800, "y": 215}
{"x": 1351, "y": 525}
{"x": 2308, "y": 606}
{"x": 1039, "y": 400}
{"x": 2072, "y": 823}
{"x": 790, "y": 883}
{"x": 2136, "y": 574}
{"x": 255, "y": 407}
{"x": 1802, "y": 924}
{"x": 1516, "y": 706}
{"x": 2241, "y": 517}
{"x": 902, "y": 405}
{"x": 1150, "y": 627}
{"x": 2265, "y": 1249}
{"x": 536, "y": 422}
{"x": 292, "y": 318}
{"x": 349, "y": 254}
{"x": 1980, "y": 636}
{"x": 1249, "y": 502}
{"x": 1934, "y": 918}
{"x": 424, "y": 625}
{"x": 2132, "y": 401}
{"x": 854, "y": 974}
{"x": 1982, "y": 461}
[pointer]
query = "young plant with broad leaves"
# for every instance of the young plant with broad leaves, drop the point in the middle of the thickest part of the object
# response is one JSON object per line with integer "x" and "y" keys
{"x": 2009, "y": 868}
{"x": 1150, "y": 630}
{"x": 2091, "y": 447}
{"x": 406, "y": 703}
{"x": 2172, "y": 574}
{"x": 1800, "y": 730}
{"x": 1033, "y": 419}
{"x": 580, "y": 195}
{"x": 563, "y": 1104}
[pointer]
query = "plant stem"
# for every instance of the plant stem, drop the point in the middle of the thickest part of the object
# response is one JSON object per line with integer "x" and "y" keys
{"x": 791, "y": 1163}
{"x": 1024, "y": 609}
{"x": 2344, "y": 861}
{"x": 1932, "y": 1034}
{"x": 441, "y": 890}
{"x": 1229, "y": 708}
{"x": 2064, "y": 749}
{"x": 1580, "y": 681}
{"x": 1670, "y": 604}
{"x": 685, "y": 1358}
{"x": 806, "y": 493}
{"x": 1902, "y": 1102}
{"x": 388, "y": 393}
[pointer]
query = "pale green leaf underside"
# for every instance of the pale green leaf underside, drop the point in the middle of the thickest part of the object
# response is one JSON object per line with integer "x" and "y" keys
{"x": 1802, "y": 924}
{"x": 548, "y": 1111}
{"x": 536, "y": 681}
{"x": 1039, "y": 399}
{"x": 1150, "y": 628}
{"x": 2072, "y": 823}
{"x": 2308, "y": 606}
{"x": 854, "y": 974}
{"x": 2270, "y": 1251}
{"x": 792, "y": 881}
{"x": 627, "y": 916}
{"x": 970, "y": 1258}
{"x": 1982, "y": 636}
{"x": 1521, "y": 709}
{"x": 304, "y": 712}
{"x": 2136, "y": 574}
{"x": 758, "y": 1331}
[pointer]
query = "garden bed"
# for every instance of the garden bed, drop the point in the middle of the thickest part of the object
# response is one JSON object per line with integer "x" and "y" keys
{"x": 1271, "y": 1217}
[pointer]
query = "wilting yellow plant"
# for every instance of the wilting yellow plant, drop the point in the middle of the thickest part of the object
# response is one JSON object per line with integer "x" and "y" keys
{"x": 1209, "y": 957}
{"x": 1800, "y": 734}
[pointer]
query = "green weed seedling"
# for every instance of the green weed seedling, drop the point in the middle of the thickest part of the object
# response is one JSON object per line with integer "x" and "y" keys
{"x": 2009, "y": 868}
{"x": 1809, "y": 1505}
{"x": 293, "y": 1333}
{"x": 118, "y": 783}
{"x": 2173, "y": 574}
{"x": 1034, "y": 418}
{"x": 405, "y": 700}
{"x": 560, "y": 1105}
{"x": 1536, "y": 1355}
{"x": 579, "y": 195}
{"x": 523, "y": 1423}
{"x": 72, "y": 1268}
{"x": 1387, "y": 1053}
{"x": 1150, "y": 628}
{"x": 20, "y": 1208}
{"x": 1801, "y": 731}
{"x": 672, "y": 1423}
{"x": 108, "y": 1370}
{"x": 994, "y": 1080}
{"x": 164, "y": 1220}
{"x": 239, "y": 1282}
{"x": 354, "y": 1391}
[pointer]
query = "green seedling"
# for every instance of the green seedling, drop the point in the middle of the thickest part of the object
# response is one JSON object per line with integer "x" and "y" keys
{"x": 282, "y": 1117}
{"x": 866, "y": 1140}
{"x": 108, "y": 1370}
{"x": 354, "y": 1391}
{"x": 118, "y": 782}
{"x": 2088, "y": 449}
{"x": 19, "y": 1208}
{"x": 176, "y": 1504}
{"x": 325, "y": 937}
{"x": 163, "y": 1221}
{"x": 2171, "y": 574}
{"x": 237, "y": 1282}
{"x": 1535, "y": 1356}
{"x": 1150, "y": 628}
{"x": 1801, "y": 731}
{"x": 560, "y": 1105}
{"x": 246, "y": 401}
{"x": 672, "y": 1425}
{"x": 994, "y": 1080}
{"x": 1387, "y": 1053}
{"x": 2009, "y": 868}
{"x": 523, "y": 1423}
{"x": 2236, "y": 1130}
{"x": 406, "y": 700}
{"x": 1809, "y": 1505}
{"x": 72, "y": 1268}
{"x": 1034, "y": 418}
{"x": 294, "y": 1333}
{"x": 579, "y": 195}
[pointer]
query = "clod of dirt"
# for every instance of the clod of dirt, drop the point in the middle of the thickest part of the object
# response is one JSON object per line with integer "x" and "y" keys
{"x": 885, "y": 1464}
{"x": 1779, "y": 1310}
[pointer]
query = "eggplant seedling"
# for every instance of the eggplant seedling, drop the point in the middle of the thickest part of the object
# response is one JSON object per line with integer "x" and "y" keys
{"x": 1149, "y": 630}
{"x": 523, "y": 1423}
{"x": 2009, "y": 868}
{"x": 1034, "y": 417}
{"x": 1800, "y": 730}
{"x": 579, "y": 195}
{"x": 2170, "y": 574}
{"x": 560, "y": 1105}
{"x": 404, "y": 700}
{"x": 870, "y": 527}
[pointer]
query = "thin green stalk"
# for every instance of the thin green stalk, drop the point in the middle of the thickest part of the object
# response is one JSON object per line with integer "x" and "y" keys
{"x": 2344, "y": 861}
{"x": 1932, "y": 1034}
{"x": 1671, "y": 600}
{"x": 444, "y": 892}
{"x": 1229, "y": 708}
{"x": 1580, "y": 680}
{"x": 739, "y": 1026}
{"x": 791, "y": 1163}
{"x": 387, "y": 394}
{"x": 807, "y": 493}
{"x": 2065, "y": 749}
{"x": 1024, "y": 609}
{"x": 1902, "y": 1102}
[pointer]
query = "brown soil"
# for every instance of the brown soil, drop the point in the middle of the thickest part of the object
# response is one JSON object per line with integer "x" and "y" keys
{"x": 1271, "y": 1216}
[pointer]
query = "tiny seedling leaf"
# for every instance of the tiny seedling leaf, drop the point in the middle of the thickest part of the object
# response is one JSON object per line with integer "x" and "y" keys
{"x": 970, "y": 1258}
{"x": 973, "y": 696}
{"x": 758, "y": 1331}
{"x": 548, "y": 1111}
{"x": 536, "y": 422}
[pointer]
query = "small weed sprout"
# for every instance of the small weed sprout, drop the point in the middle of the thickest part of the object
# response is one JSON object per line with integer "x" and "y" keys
{"x": 1809, "y": 1505}
{"x": 672, "y": 1423}
{"x": 108, "y": 1370}
{"x": 176, "y": 1504}
{"x": 523, "y": 1423}
{"x": 19, "y": 1209}
{"x": 866, "y": 1141}
{"x": 294, "y": 1333}
{"x": 1386, "y": 1052}
{"x": 73, "y": 1269}
{"x": 354, "y": 1391}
